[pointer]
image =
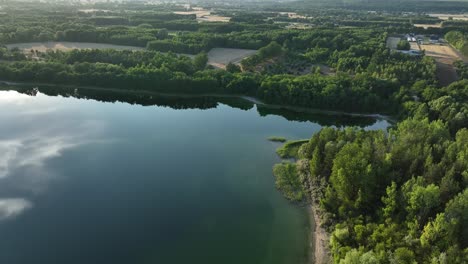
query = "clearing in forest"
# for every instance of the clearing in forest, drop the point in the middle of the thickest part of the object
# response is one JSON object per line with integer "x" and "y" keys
{"x": 220, "y": 57}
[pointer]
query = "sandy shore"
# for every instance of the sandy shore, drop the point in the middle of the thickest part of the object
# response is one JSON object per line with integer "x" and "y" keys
{"x": 320, "y": 240}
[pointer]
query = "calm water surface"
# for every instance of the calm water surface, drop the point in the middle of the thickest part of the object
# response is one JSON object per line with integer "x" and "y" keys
{"x": 83, "y": 181}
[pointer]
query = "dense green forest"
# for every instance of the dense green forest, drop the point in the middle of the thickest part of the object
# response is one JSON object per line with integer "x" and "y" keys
{"x": 391, "y": 197}
{"x": 396, "y": 196}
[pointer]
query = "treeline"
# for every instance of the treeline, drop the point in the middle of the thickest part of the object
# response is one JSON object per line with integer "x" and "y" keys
{"x": 195, "y": 42}
{"x": 376, "y": 91}
{"x": 336, "y": 93}
{"x": 462, "y": 69}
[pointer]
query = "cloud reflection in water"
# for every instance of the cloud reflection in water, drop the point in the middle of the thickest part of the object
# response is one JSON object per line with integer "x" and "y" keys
{"x": 12, "y": 207}
{"x": 33, "y": 131}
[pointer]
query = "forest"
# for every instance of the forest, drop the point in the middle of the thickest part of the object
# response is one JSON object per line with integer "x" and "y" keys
{"x": 395, "y": 196}
{"x": 390, "y": 197}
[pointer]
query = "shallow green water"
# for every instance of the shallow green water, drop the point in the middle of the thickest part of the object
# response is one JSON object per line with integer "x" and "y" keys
{"x": 84, "y": 181}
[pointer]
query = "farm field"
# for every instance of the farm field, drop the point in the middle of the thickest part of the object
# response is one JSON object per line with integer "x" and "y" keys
{"x": 204, "y": 16}
{"x": 444, "y": 56}
{"x": 414, "y": 46}
{"x": 426, "y": 26}
{"x": 453, "y": 16}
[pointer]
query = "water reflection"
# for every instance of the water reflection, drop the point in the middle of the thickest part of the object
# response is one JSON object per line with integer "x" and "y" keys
{"x": 30, "y": 137}
{"x": 12, "y": 207}
{"x": 31, "y": 152}
{"x": 198, "y": 102}
{"x": 115, "y": 183}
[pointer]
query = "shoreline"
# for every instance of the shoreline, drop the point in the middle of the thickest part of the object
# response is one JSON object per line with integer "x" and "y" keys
{"x": 319, "y": 239}
{"x": 250, "y": 99}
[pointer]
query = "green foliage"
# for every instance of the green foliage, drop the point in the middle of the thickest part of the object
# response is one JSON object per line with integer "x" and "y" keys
{"x": 403, "y": 45}
{"x": 277, "y": 139}
{"x": 290, "y": 149}
{"x": 200, "y": 61}
{"x": 233, "y": 68}
{"x": 288, "y": 181}
{"x": 271, "y": 50}
{"x": 398, "y": 197}
{"x": 459, "y": 40}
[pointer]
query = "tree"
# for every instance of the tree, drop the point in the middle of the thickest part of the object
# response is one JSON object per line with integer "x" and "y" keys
{"x": 200, "y": 61}
{"x": 233, "y": 68}
{"x": 403, "y": 256}
{"x": 356, "y": 257}
{"x": 420, "y": 199}
{"x": 271, "y": 50}
{"x": 390, "y": 201}
{"x": 403, "y": 45}
{"x": 162, "y": 34}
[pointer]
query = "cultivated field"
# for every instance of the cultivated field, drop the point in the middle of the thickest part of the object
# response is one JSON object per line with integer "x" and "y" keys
{"x": 445, "y": 56}
{"x": 66, "y": 46}
{"x": 453, "y": 16}
{"x": 426, "y": 26}
{"x": 414, "y": 46}
{"x": 204, "y": 16}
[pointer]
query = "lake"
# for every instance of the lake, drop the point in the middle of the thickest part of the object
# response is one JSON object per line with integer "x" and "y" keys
{"x": 92, "y": 177}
